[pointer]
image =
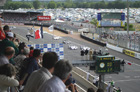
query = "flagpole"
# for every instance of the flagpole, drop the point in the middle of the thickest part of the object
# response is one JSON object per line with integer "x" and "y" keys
{"x": 42, "y": 30}
{"x": 53, "y": 36}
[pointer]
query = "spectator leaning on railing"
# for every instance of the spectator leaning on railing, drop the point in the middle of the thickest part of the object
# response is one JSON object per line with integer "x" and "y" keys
{"x": 61, "y": 73}
{"x": 38, "y": 77}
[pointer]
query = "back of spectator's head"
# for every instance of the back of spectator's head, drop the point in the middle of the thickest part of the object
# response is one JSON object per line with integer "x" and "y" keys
{"x": 90, "y": 90}
{"x": 49, "y": 60}
{"x": 26, "y": 51}
{"x": 62, "y": 69}
{"x": 31, "y": 48}
{"x": 9, "y": 51}
{"x": 8, "y": 70}
{"x": 6, "y": 28}
{"x": 36, "y": 53}
{"x": 100, "y": 90}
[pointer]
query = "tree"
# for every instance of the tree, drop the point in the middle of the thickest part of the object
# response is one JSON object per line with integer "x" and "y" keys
{"x": 94, "y": 22}
{"x": 36, "y": 4}
{"x": 26, "y": 5}
{"x": 68, "y": 4}
{"x": 52, "y": 5}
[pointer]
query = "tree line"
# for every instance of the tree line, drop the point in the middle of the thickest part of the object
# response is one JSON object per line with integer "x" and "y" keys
{"x": 119, "y": 4}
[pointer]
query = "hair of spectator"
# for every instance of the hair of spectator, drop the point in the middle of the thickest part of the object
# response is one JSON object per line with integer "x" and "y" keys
{"x": 14, "y": 35}
{"x": 62, "y": 69}
{"x": 8, "y": 70}
{"x": 90, "y": 90}
{"x": 9, "y": 51}
{"x": 31, "y": 48}
{"x": 6, "y": 28}
{"x": 100, "y": 90}
{"x": 26, "y": 51}
{"x": 36, "y": 53}
{"x": 49, "y": 59}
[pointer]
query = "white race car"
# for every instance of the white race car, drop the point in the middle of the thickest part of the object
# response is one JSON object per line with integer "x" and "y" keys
{"x": 73, "y": 47}
{"x": 84, "y": 48}
{"x": 66, "y": 42}
{"x": 12, "y": 27}
{"x": 56, "y": 37}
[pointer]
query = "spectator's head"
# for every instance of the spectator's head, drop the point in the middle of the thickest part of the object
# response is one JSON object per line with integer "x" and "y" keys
{"x": 90, "y": 90}
{"x": 31, "y": 48}
{"x": 62, "y": 69}
{"x": 10, "y": 35}
{"x": 9, "y": 52}
{"x": 8, "y": 70}
{"x": 100, "y": 90}
{"x": 26, "y": 51}
{"x": 49, "y": 60}
{"x": 6, "y": 28}
{"x": 21, "y": 47}
{"x": 36, "y": 53}
{"x": 31, "y": 51}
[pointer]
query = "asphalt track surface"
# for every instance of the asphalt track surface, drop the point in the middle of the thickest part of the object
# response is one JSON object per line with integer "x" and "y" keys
{"x": 128, "y": 81}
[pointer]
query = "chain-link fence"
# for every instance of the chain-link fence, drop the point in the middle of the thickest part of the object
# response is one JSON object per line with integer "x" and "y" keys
{"x": 120, "y": 38}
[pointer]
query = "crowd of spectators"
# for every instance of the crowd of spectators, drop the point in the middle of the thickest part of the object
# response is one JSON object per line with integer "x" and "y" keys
{"x": 122, "y": 36}
{"x": 29, "y": 70}
{"x": 19, "y": 17}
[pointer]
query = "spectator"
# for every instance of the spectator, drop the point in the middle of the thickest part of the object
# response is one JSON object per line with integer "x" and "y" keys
{"x": 8, "y": 54}
{"x": 61, "y": 73}
{"x": 2, "y": 33}
{"x": 100, "y": 90}
{"x": 32, "y": 66}
{"x": 7, "y": 74}
{"x": 19, "y": 59}
{"x": 8, "y": 42}
{"x": 90, "y": 90}
{"x": 6, "y": 29}
{"x": 16, "y": 41}
{"x": 70, "y": 84}
{"x": 31, "y": 51}
{"x": 38, "y": 77}
{"x": 21, "y": 47}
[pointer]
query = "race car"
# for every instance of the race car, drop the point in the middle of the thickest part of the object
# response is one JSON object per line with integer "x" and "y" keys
{"x": 66, "y": 42}
{"x": 84, "y": 48}
{"x": 56, "y": 37}
{"x": 73, "y": 47}
{"x": 12, "y": 27}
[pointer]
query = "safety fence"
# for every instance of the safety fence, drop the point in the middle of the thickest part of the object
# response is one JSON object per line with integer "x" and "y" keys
{"x": 120, "y": 38}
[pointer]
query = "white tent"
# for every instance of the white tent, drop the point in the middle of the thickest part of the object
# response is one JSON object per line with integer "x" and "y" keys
{"x": 57, "y": 20}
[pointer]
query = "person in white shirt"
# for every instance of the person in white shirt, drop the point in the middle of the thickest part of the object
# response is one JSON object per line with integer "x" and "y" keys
{"x": 61, "y": 73}
{"x": 38, "y": 77}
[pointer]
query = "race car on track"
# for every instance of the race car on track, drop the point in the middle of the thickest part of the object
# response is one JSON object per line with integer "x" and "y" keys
{"x": 66, "y": 42}
{"x": 73, "y": 47}
{"x": 56, "y": 37}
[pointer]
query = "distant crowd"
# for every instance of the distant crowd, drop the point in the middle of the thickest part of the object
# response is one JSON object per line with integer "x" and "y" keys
{"x": 19, "y": 17}
{"x": 117, "y": 36}
{"x": 28, "y": 70}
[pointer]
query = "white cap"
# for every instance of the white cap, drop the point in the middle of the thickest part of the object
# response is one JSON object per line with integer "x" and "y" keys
{"x": 10, "y": 34}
